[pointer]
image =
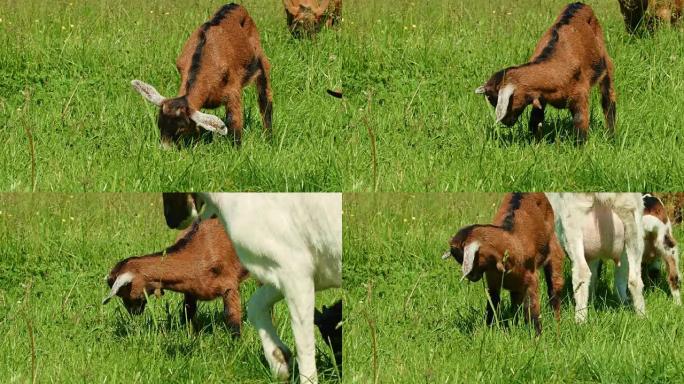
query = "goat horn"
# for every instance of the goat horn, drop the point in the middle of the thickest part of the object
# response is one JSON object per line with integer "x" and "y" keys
{"x": 480, "y": 90}
{"x": 446, "y": 255}
{"x": 121, "y": 280}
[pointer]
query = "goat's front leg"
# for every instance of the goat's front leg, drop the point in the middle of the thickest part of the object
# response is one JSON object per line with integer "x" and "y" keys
{"x": 673, "y": 276}
{"x": 581, "y": 274}
{"x": 234, "y": 114}
{"x": 232, "y": 313}
{"x": 580, "y": 117}
{"x": 532, "y": 307}
{"x": 553, "y": 272}
{"x": 259, "y": 314}
{"x": 300, "y": 295}
{"x": 189, "y": 308}
{"x": 536, "y": 123}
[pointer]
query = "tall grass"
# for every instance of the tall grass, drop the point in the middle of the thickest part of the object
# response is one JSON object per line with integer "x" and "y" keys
{"x": 412, "y": 76}
{"x": 65, "y": 84}
{"x": 410, "y": 320}
{"x": 55, "y": 250}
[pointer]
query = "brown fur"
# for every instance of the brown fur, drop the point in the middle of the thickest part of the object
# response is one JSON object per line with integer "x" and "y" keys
{"x": 521, "y": 240}
{"x": 307, "y": 17}
{"x": 202, "y": 265}
{"x": 649, "y": 13}
{"x": 219, "y": 59}
{"x": 568, "y": 61}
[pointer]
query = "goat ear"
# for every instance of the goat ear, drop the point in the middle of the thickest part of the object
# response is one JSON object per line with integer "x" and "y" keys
{"x": 148, "y": 92}
{"x": 480, "y": 90}
{"x": 502, "y": 102}
{"x": 469, "y": 257}
{"x": 121, "y": 281}
{"x": 209, "y": 122}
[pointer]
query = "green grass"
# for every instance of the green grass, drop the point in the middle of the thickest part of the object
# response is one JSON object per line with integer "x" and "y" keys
{"x": 430, "y": 327}
{"x": 412, "y": 78}
{"x": 67, "y": 67}
{"x": 55, "y": 250}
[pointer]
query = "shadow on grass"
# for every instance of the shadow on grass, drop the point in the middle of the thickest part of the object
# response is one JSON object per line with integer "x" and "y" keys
{"x": 558, "y": 129}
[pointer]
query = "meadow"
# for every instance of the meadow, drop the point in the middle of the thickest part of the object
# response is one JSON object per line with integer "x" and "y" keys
{"x": 72, "y": 122}
{"x": 416, "y": 124}
{"x": 410, "y": 320}
{"x": 55, "y": 250}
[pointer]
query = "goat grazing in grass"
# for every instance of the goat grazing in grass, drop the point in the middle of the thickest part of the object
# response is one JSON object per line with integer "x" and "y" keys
{"x": 508, "y": 253}
{"x": 202, "y": 265}
{"x": 306, "y": 17}
{"x": 648, "y": 13}
{"x": 290, "y": 242}
{"x": 595, "y": 226}
{"x": 568, "y": 61}
{"x": 660, "y": 244}
{"x": 219, "y": 59}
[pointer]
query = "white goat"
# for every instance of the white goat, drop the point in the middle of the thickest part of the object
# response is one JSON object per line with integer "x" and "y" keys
{"x": 292, "y": 243}
{"x": 595, "y": 226}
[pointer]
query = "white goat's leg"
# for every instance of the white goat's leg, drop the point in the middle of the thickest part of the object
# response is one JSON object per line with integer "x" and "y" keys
{"x": 621, "y": 275}
{"x": 634, "y": 246}
{"x": 259, "y": 314}
{"x": 300, "y": 295}
{"x": 581, "y": 274}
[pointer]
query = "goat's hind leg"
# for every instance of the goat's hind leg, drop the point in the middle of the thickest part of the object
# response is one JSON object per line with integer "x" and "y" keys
{"x": 234, "y": 118}
{"x": 259, "y": 313}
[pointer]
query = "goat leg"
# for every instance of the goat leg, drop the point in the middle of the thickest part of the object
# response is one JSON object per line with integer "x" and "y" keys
{"x": 232, "y": 313}
{"x": 580, "y": 118}
{"x": 265, "y": 95}
{"x": 234, "y": 115}
{"x": 189, "y": 308}
{"x": 536, "y": 122}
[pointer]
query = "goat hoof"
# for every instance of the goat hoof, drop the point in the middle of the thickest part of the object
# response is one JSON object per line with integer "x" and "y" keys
{"x": 281, "y": 367}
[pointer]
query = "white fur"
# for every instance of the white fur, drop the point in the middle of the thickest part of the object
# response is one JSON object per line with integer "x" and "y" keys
{"x": 505, "y": 94}
{"x": 480, "y": 90}
{"x": 120, "y": 282}
{"x": 469, "y": 257}
{"x": 593, "y": 226}
{"x": 148, "y": 92}
{"x": 292, "y": 243}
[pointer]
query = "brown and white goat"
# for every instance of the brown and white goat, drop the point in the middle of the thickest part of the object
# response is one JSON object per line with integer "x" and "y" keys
{"x": 659, "y": 243}
{"x": 219, "y": 59}
{"x": 569, "y": 59}
{"x": 521, "y": 239}
{"x": 648, "y": 13}
{"x": 306, "y": 17}
{"x": 202, "y": 265}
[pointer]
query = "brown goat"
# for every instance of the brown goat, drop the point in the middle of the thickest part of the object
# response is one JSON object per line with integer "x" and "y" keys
{"x": 648, "y": 13}
{"x": 220, "y": 58}
{"x": 521, "y": 239}
{"x": 569, "y": 59}
{"x": 202, "y": 264}
{"x": 306, "y": 17}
